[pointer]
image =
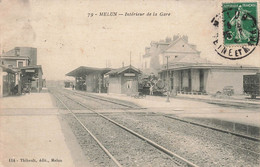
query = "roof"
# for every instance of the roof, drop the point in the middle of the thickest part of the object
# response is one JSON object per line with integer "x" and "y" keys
{"x": 14, "y": 57}
{"x": 173, "y": 48}
{"x": 183, "y": 62}
{"x": 12, "y": 51}
{"x": 6, "y": 69}
{"x": 210, "y": 66}
{"x": 190, "y": 59}
{"x": 122, "y": 69}
{"x": 83, "y": 70}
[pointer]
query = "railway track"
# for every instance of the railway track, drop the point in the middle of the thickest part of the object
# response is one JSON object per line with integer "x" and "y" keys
{"x": 91, "y": 134}
{"x": 174, "y": 157}
{"x": 116, "y": 102}
{"x": 230, "y": 141}
{"x": 174, "y": 117}
{"x": 190, "y": 123}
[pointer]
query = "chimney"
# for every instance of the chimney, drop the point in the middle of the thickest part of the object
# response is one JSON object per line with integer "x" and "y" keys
{"x": 185, "y": 37}
{"x": 175, "y": 37}
{"x": 168, "y": 40}
{"x": 17, "y": 51}
{"x": 123, "y": 64}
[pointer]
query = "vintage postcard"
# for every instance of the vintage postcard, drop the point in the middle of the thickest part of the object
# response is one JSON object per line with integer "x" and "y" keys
{"x": 129, "y": 83}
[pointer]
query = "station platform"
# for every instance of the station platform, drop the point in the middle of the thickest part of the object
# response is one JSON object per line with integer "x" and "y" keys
{"x": 209, "y": 108}
{"x": 236, "y": 100}
{"x": 31, "y": 131}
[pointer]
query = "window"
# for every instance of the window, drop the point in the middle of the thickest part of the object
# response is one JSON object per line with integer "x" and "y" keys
{"x": 20, "y": 64}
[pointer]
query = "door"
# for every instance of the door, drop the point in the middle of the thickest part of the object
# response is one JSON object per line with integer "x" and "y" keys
{"x": 129, "y": 87}
{"x": 20, "y": 64}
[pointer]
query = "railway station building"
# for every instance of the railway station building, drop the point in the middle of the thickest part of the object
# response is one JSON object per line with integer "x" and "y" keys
{"x": 188, "y": 72}
{"x": 206, "y": 78}
{"x": 123, "y": 80}
{"x": 90, "y": 79}
{"x": 23, "y": 60}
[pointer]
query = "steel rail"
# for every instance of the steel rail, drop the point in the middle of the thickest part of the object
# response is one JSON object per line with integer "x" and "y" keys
{"x": 217, "y": 140}
{"x": 213, "y": 128}
{"x": 179, "y": 159}
{"x": 197, "y": 124}
{"x": 107, "y": 100}
{"x": 92, "y": 135}
{"x": 189, "y": 122}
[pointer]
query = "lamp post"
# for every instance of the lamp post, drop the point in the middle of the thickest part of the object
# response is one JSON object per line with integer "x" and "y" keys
{"x": 168, "y": 89}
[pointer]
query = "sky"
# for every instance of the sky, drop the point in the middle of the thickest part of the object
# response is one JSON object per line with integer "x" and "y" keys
{"x": 66, "y": 37}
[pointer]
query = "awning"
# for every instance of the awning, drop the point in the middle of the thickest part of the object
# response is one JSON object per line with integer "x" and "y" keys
{"x": 6, "y": 69}
{"x": 82, "y": 71}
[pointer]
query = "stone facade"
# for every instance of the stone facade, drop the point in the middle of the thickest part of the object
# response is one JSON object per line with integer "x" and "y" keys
{"x": 188, "y": 72}
{"x": 24, "y": 61}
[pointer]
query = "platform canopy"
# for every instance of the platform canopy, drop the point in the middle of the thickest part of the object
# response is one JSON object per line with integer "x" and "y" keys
{"x": 83, "y": 70}
{"x": 7, "y": 69}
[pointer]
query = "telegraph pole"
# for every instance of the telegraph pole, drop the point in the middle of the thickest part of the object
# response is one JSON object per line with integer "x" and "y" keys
{"x": 168, "y": 89}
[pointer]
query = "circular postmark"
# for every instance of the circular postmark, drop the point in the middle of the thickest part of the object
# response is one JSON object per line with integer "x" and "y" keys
{"x": 237, "y": 34}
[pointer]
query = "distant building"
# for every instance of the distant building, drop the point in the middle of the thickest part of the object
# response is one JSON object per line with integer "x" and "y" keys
{"x": 68, "y": 84}
{"x": 24, "y": 61}
{"x": 89, "y": 79}
{"x": 123, "y": 80}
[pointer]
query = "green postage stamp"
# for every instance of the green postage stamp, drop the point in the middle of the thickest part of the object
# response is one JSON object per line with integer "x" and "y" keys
{"x": 240, "y": 23}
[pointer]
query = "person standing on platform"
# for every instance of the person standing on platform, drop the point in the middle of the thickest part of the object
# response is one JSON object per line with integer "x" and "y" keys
{"x": 151, "y": 89}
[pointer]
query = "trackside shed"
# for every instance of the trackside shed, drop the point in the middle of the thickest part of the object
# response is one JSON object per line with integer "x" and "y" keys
{"x": 123, "y": 80}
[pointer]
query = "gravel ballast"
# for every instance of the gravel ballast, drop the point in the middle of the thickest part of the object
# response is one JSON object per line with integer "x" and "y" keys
{"x": 180, "y": 138}
{"x": 201, "y": 146}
